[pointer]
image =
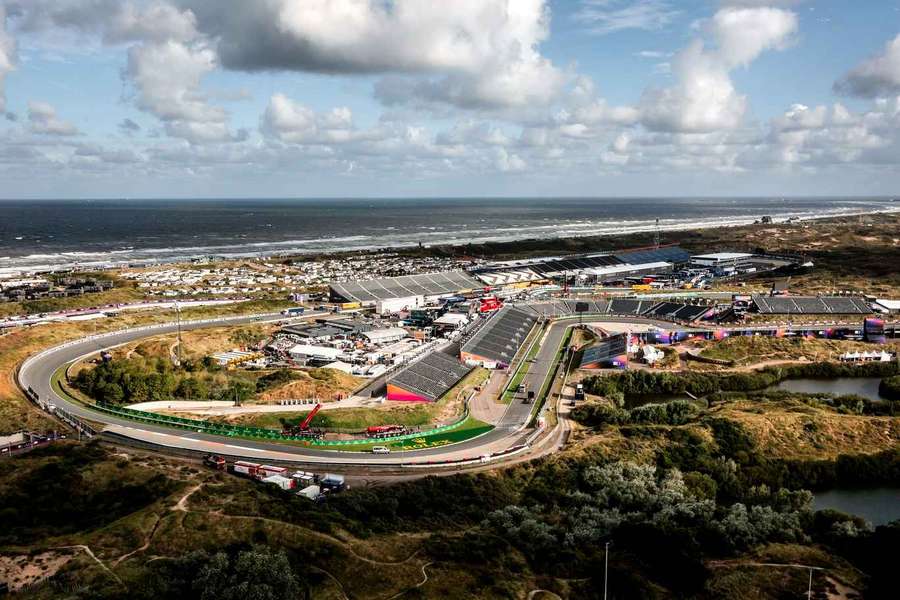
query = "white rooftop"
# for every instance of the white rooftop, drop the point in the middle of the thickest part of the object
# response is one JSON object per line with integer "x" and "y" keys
{"x": 316, "y": 351}
{"x": 889, "y": 304}
{"x": 385, "y": 334}
{"x": 722, "y": 256}
{"x": 613, "y": 269}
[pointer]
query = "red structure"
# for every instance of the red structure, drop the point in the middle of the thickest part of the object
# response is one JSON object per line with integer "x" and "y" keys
{"x": 490, "y": 304}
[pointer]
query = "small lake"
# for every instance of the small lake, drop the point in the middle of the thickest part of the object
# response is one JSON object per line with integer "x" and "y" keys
{"x": 878, "y": 506}
{"x": 867, "y": 387}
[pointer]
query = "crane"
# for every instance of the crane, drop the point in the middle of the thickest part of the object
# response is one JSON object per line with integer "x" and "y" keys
{"x": 305, "y": 424}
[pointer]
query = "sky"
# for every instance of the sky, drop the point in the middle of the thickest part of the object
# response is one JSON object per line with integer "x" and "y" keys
{"x": 347, "y": 98}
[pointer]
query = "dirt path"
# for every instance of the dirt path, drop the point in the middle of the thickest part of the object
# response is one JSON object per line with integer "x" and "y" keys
{"x": 324, "y": 536}
{"x": 833, "y": 588}
{"x": 89, "y": 552}
{"x": 417, "y": 586}
{"x": 181, "y": 505}
{"x": 533, "y": 593}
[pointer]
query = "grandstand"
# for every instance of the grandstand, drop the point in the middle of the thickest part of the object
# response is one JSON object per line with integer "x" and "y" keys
{"x": 429, "y": 285}
{"x": 500, "y": 338}
{"x": 677, "y": 311}
{"x": 426, "y": 380}
{"x": 810, "y": 305}
{"x": 629, "y": 306}
{"x": 612, "y": 351}
{"x": 619, "y": 307}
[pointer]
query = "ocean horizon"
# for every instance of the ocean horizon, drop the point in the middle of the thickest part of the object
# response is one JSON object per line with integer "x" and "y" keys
{"x": 58, "y": 234}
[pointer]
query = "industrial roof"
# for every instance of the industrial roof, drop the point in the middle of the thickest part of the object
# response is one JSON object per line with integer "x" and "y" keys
{"x": 672, "y": 254}
{"x": 722, "y": 255}
{"x": 614, "y": 269}
{"x": 426, "y": 284}
{"x": 316, "y": 351}
{"x": 889, "y": 304}
{"x": 389, "y": 333}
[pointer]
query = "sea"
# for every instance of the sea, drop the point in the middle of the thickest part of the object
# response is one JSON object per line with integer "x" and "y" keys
{"x": 39, "y": 235}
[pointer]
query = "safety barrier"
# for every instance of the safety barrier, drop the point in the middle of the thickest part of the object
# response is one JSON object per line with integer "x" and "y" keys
{"x": 260, "y": 433}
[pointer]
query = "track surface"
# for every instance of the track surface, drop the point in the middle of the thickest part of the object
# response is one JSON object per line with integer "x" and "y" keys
{"x": 37, "y": 373}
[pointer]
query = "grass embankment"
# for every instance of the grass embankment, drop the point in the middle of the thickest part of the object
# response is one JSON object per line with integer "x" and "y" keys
{"x": 749, "y": 350}
{"x": 449, "y": 406}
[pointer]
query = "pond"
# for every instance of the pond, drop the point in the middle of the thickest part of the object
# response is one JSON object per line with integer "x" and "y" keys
{"x": 867, "y": 387}
{"x": 879, "y": 506}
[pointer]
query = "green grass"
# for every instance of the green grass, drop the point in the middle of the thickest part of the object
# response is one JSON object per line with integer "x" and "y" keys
{"x": 524, "y": 367}
{"x": 551, "y": 374}
{"x": 340, "y": 418}
{"x": 470, "y": 428}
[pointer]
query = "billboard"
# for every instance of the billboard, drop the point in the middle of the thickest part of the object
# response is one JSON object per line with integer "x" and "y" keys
{"x": 873, "y": 330}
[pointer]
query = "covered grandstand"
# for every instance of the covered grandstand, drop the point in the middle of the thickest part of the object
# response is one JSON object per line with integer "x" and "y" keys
{"x": 674, "y": 311}
{"x": 429, "y": 285}
{"x": 610, "y": 352}
{"x": 810, "y": 305}
{"x": 500, "y": 338}
{"x": 677, "y": 311}
{"x": 426, "y": 380}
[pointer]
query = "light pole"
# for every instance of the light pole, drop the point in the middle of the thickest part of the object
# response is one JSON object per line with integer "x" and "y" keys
{"x": 605, "y": 568}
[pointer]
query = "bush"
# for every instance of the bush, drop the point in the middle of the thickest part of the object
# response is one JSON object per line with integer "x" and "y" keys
{"x": 677, "y": 412}
{"x": 275, "y": 379}
{"x": 890, "y": 387}
{"x": 644, "y": 383}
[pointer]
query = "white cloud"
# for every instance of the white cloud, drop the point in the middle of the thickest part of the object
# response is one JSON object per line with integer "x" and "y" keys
{"x": 506, "y": 162}
{"x": 878, "y": 76}
{"x": 167, "y": 76}
{"x": 471, "y": 53}
{"x": 293, "y": 122}
{"x": 704, "y": 97}
{"x": 602, "y": 17}
{"x": 7, "y": 56}
{"x": 43, "y": 120}
{"x": 115, "y": 21}
{"x": 743, "y": 34}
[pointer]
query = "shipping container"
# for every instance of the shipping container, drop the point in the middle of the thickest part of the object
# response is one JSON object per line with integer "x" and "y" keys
{"x": 246, "y": 468}
{"x": 268, "y": 470}
{"x": 285, "y": 483}
{"x": 311, "y": 492}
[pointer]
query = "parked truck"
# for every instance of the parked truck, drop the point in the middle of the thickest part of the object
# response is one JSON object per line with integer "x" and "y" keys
{"x": 295, "y": 311}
